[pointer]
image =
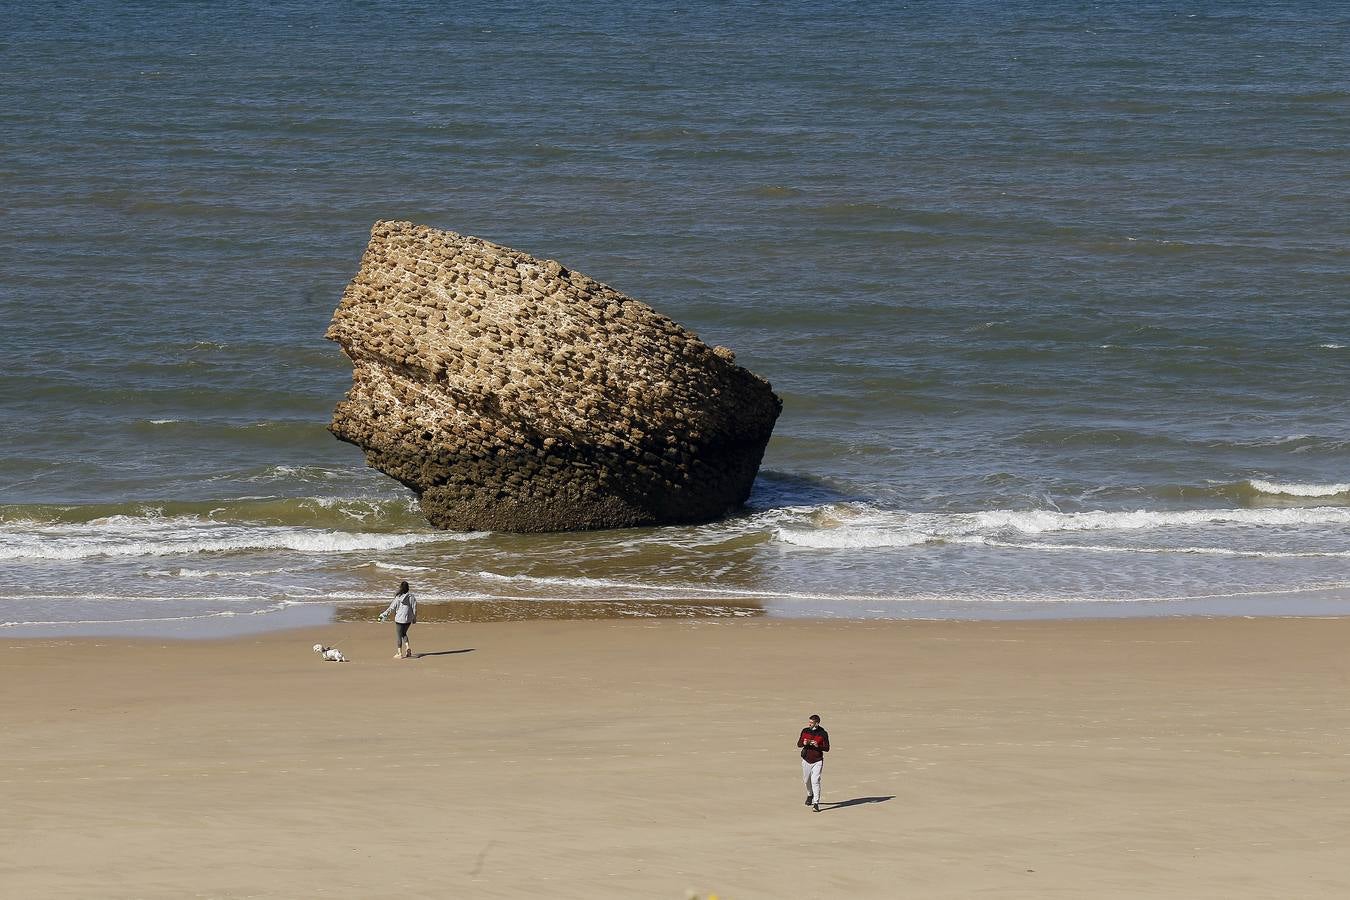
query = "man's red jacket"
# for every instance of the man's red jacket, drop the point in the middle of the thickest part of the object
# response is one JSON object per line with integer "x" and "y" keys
{"x": 815, "y": 743}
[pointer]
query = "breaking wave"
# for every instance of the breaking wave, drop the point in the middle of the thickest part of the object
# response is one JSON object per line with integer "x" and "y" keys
{"x": 1299, "y": 490}
{"x": 341, "y": 513}
{"x": 861, "y": 528}
{"x": 142, "y": 536}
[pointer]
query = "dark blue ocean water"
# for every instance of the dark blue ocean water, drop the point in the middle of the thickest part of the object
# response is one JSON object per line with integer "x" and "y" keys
{"x": 1057, "y": 296}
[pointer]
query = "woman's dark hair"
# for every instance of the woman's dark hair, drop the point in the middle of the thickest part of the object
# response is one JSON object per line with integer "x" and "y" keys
{"x": 403, "y": 587}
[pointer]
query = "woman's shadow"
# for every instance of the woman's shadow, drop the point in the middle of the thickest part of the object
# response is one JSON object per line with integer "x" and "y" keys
{"x": 443, "y": 652}
{"x": 856, "y": 801}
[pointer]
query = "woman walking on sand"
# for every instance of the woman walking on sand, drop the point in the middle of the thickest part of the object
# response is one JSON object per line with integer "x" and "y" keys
{"x": 404, "y": 609}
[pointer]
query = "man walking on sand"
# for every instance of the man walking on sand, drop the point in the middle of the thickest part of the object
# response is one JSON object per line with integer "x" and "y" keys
{"x": 815, "y": 743}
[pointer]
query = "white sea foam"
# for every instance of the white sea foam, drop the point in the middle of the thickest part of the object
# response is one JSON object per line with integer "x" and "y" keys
{"x": 216, "y": 614}
{"x": 854, "y": 537}
{"x": 1041, "y": 521}
{"x": 1332, "y": 346}
{"x": 131, "y": 536}
{"x": 635, "y": 591}
{"x": 849, "y": 537}
{"x": 96, "y": 596}
{"x": 1196, "y": 551}
{"x": 566, "y": 581}
{"x": 399, "y": 567}
{"x": 864, "y": 529}
{"x": 1158, "y": 598}
{"x": 185, "y": 572}
{"x": 302, "y": 473}
{"x": 1300, "y": 490}
{"x": 423, "y": 596}
{"x": 638, "y": 590}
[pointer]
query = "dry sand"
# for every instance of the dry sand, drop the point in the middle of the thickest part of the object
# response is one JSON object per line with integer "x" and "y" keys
{"x": 642, "y": 759}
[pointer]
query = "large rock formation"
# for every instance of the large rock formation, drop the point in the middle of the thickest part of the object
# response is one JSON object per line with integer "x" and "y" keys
{"x": 515, "y": 395}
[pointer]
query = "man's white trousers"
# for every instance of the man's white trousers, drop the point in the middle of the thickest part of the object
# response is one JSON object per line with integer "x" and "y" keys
{"x": 811, "y": 776}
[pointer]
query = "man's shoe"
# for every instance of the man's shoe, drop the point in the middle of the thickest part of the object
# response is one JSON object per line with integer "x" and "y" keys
{"x": 808, "y": 799}
{"x": 816, "y": 807}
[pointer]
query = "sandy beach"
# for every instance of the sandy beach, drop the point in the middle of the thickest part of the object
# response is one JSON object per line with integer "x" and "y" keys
{"x": 1105, "y": 758}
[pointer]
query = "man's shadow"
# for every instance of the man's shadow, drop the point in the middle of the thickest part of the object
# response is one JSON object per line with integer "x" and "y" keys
{"x": 444, "y": 652}
{"x": 856, "y": 801}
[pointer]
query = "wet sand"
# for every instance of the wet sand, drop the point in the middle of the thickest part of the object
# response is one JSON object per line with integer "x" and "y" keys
{"x": 1106, "y": 758}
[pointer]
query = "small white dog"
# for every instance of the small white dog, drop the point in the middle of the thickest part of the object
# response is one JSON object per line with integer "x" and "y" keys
{"x": 332, "y": 654}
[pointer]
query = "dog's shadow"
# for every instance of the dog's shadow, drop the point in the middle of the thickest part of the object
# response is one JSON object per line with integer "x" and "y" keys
{"x": 856, "y": 801}
{"x": 443, "y": 652}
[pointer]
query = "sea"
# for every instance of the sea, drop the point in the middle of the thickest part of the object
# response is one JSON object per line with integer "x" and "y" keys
{"x": 1056, "y": 296}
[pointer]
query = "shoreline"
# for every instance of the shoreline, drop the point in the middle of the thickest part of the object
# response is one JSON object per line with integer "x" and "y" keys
{"x": 1324, "y": 602}
{"x": 1171, "y": 757}
{"x": 339, "y": 628}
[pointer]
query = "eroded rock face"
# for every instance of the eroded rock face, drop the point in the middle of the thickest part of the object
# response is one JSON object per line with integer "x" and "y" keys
{"x": 515, "y": 395}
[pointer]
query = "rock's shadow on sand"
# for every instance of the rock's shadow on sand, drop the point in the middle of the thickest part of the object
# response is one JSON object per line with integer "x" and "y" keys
{"x": 443, "y": 652}
{"x": 856, "y": 801}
